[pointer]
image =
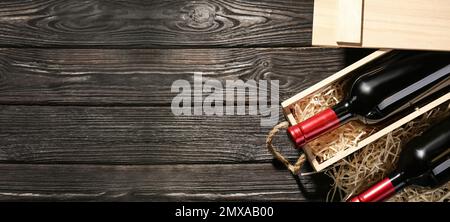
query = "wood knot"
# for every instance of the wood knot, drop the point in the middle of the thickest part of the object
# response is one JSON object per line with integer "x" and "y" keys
{"x": 199, "y": 16}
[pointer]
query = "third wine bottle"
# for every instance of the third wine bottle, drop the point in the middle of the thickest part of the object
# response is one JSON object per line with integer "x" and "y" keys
{"x": 397, "y": 82}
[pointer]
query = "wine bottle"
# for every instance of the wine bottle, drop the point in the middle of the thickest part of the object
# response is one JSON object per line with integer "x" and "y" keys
{"x": 424, "y": 161}
{"x": 400, "y": 81}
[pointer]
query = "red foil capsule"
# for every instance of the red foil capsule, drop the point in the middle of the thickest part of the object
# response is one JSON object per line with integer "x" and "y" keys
{"x": 378, "y": 192}
{"x": 313, "y": 127}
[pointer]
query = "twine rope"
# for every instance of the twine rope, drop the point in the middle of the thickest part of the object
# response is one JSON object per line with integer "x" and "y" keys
{"x": 293, "y": 168}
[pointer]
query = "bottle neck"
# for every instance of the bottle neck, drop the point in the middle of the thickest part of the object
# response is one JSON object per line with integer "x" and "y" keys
{"x": 320, "y": 123}
{"x": 383, "y": 189}
{"x": 343, "y": 111}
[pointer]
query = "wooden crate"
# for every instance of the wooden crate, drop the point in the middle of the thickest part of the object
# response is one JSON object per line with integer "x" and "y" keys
{"x": 341, "y": 75}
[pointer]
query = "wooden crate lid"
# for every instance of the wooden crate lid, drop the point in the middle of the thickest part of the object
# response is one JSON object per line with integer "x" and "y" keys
{"x": 399, "y": 24}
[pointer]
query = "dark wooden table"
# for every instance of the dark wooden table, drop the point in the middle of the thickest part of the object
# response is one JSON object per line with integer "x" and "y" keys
{"x": 85, "y": 94}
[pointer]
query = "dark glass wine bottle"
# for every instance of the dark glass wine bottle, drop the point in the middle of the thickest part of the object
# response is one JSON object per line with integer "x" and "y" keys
{"x": 424, "y": 161}
{"x": 384, "y": 89}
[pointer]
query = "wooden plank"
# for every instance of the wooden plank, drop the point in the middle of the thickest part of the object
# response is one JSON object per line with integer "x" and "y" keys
{"x": 144, "y": 76}
{"x": 130, "y": 135}
{"x": 401, "y": 24}
{"x": 218, "y": 182}
{"x": 349, "y": 25}
{"x": 156, "y": 23}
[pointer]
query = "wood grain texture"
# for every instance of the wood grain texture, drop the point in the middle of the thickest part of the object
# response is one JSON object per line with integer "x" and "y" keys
{"x": 85, "y": 88}
{"x": 155, "y": 23}
{"x": 130, "y": 135}
{"x": 156, "y": 183}
{"x": 145, "y": 76}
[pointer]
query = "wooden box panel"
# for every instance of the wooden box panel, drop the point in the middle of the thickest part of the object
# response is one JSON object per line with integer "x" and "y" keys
{"x": 399, "y": 24}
